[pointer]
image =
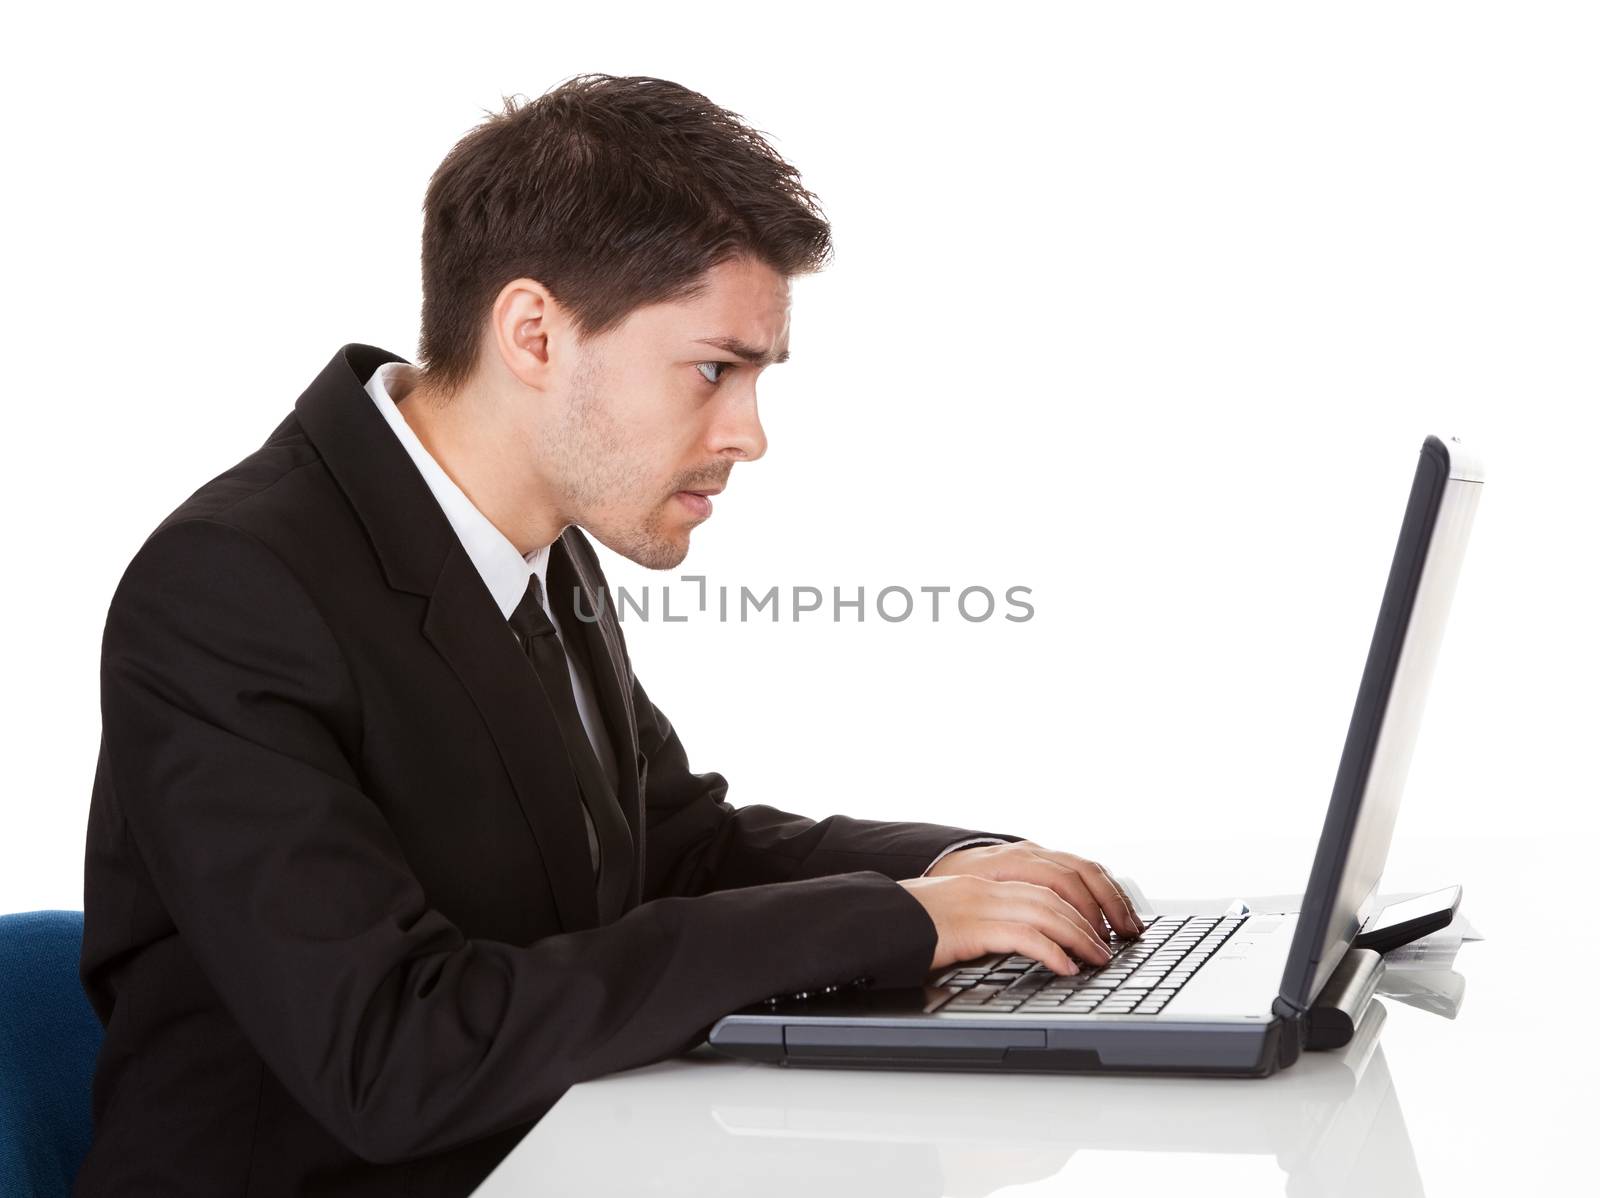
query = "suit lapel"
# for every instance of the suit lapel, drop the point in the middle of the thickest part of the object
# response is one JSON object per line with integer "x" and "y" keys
{"x": 420, "y": 554}
{"x": 569, "y": 569}
{"x": 466, "y": 627}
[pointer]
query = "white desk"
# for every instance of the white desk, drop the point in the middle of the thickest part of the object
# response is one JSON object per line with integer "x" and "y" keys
{"x": 1418, "y": 1103}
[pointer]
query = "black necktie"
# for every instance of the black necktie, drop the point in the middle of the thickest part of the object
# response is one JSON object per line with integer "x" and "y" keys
{"x": 615, "y": 842}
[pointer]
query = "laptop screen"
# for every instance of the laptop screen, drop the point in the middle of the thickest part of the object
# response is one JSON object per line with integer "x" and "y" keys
{"x": 1383, "y": 729}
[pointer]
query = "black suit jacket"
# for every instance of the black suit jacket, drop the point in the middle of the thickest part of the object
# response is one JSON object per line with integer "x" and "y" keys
{"x": 340, "y": 918}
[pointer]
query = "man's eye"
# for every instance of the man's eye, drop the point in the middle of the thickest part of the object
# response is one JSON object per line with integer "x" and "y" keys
{"x": 721, "y": 368}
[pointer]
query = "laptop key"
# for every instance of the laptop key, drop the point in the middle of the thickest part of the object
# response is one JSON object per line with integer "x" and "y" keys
{"x": 1030, "y": 982}
{"x": 976, "y": 994}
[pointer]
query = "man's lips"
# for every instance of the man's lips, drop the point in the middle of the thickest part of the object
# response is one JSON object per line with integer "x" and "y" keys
{"x": 698, "y": 501}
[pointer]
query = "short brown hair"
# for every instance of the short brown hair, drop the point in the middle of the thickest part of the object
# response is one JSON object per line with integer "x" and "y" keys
{"x": 614, "y": 192}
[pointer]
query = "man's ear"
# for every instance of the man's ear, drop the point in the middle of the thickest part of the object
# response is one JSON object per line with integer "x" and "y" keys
{"x": 520, "y": 323}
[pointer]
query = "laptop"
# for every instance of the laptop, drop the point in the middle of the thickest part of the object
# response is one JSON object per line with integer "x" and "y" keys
{"x": 1235, "y": 994}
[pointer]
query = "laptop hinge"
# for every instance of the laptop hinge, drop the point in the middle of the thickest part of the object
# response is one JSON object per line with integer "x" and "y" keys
{"x": 1331, "y": 1020}
{"x": 1284, "y": 1009}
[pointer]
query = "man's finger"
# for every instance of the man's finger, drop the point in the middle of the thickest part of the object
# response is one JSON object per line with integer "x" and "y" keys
{"x": 1067, "y": 919}
{"x": 1111, "y": 897}
{"x": 1063, "y": 880}
{"x": 1051, "y": 914}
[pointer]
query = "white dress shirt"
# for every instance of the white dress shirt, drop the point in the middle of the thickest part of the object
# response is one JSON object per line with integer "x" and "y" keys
{"x": 504, "y": 571}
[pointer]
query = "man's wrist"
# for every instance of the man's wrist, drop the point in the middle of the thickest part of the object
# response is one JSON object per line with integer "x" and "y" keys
{"x": 970, "y": 842}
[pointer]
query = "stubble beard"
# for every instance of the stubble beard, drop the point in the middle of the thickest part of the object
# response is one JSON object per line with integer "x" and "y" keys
{"x": 598, "y": 462}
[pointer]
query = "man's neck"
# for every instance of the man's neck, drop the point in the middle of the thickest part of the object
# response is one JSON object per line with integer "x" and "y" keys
{"x": 473, "y": 442}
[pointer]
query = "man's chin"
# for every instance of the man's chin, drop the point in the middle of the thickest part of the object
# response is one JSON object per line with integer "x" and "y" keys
{"x": 662, "y": 556}
{"x": 650, "y": 548}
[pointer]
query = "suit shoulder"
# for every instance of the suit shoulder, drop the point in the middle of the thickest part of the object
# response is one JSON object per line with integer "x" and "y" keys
{"x": 266, "y": 475}
{"x": 281, "y": 496}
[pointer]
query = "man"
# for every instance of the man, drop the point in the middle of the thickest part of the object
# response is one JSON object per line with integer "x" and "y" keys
{"x": 388, "y": 846}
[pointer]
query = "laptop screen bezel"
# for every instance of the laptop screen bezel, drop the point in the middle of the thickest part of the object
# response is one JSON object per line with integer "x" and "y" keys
{"x": 1426, "y": 561}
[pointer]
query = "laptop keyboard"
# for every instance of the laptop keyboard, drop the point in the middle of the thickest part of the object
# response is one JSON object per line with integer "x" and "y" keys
{"x": 1140, "y": 979}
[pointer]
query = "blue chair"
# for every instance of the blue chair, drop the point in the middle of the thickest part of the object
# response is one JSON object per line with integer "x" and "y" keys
{"x": 49, "y": 1036}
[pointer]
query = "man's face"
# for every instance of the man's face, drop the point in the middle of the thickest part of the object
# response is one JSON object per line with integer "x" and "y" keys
{"x": 654, "y": 411}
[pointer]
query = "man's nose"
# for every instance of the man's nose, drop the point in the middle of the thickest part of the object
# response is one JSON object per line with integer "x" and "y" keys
{"x": 739, "y": 434}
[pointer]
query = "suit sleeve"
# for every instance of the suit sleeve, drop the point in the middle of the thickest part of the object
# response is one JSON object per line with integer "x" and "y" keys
{"x": 231, "y": 723}
{"x": 696, "y": 842}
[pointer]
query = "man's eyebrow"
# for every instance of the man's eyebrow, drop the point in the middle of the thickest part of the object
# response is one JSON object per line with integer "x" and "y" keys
{"x": 748, "y": 352}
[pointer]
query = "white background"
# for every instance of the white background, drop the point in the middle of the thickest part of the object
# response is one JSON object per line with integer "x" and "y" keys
{"x": 1145, "y": 307}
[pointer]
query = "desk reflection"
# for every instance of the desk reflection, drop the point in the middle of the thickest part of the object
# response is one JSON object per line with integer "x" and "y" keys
{"x": 1329, "y": 1126}
{"x": 1437, "y": 991}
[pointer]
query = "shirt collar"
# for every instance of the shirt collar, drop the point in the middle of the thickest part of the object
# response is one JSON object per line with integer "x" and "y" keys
{"x": 504, "y": 571}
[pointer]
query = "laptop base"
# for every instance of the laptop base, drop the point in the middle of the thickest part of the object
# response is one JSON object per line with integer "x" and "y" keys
{"x": 1122, "y": 1044}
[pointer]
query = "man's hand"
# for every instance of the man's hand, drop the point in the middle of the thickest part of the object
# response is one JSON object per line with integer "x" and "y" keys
{"x": 1022, "y": 898}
